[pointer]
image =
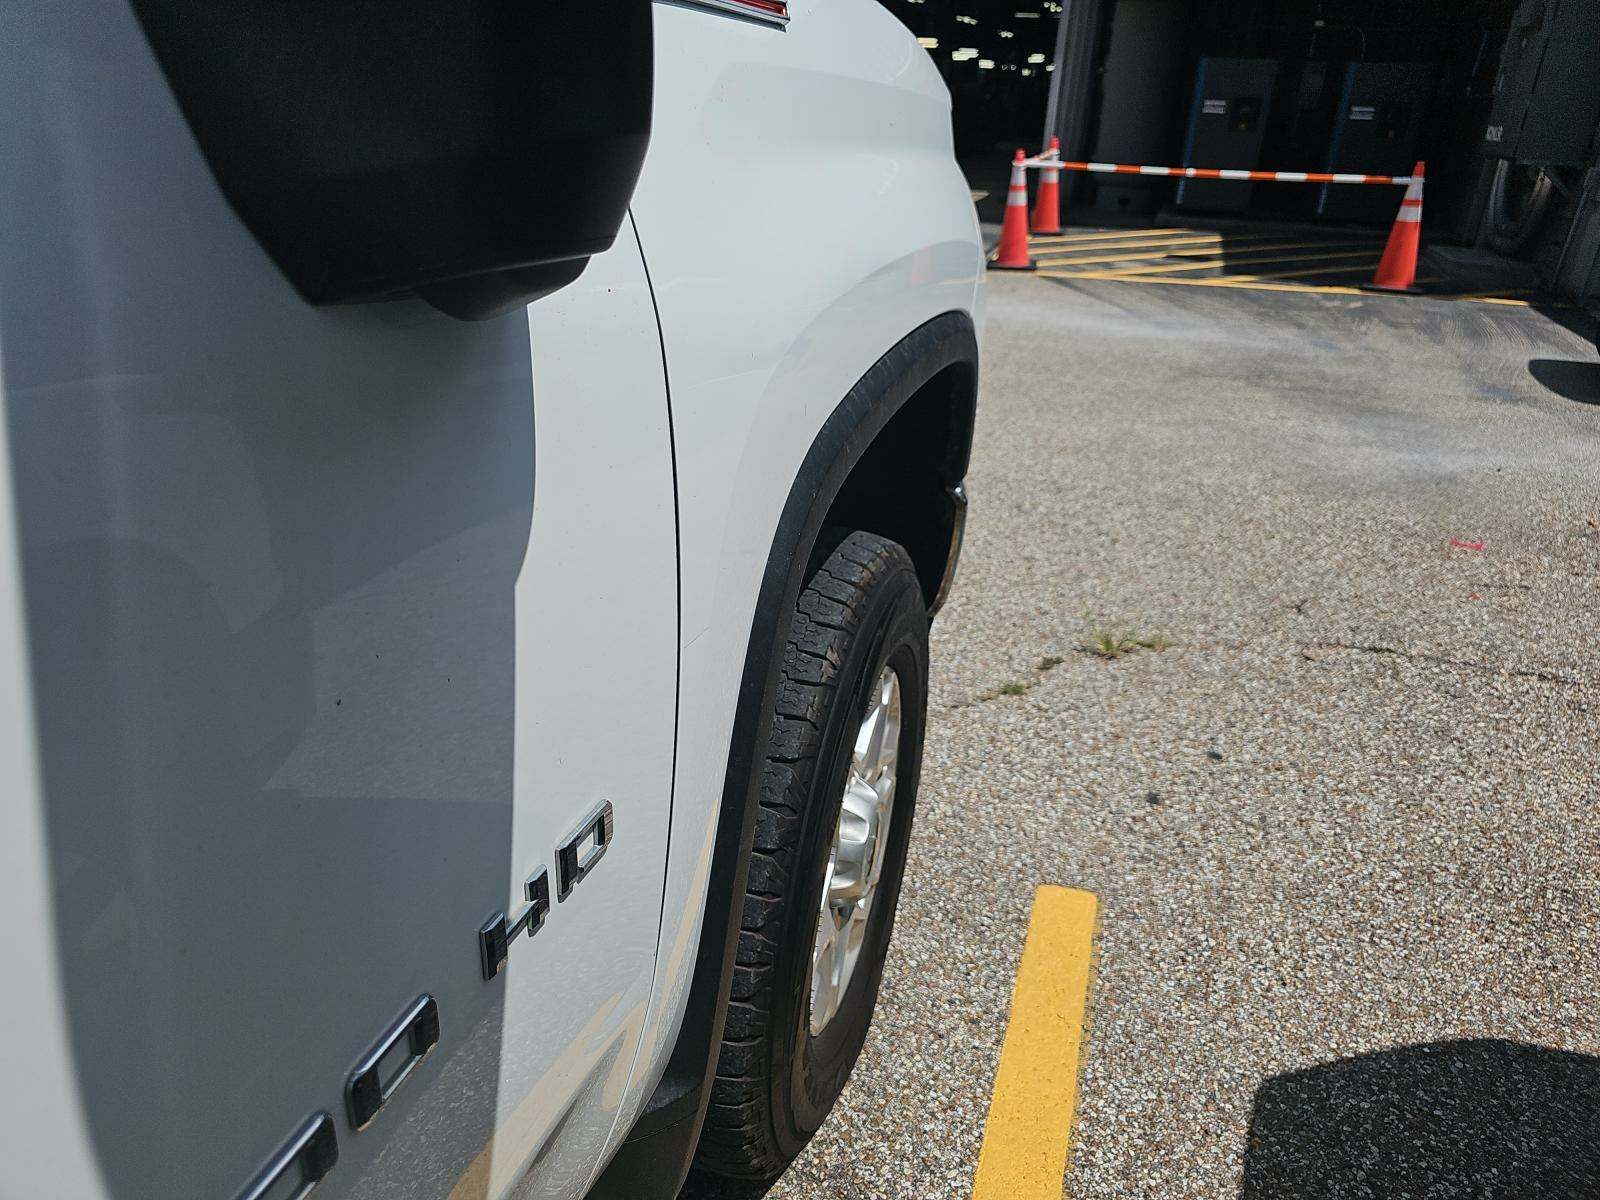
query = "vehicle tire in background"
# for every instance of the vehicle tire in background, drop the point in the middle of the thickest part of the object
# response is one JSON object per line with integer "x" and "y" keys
{"x": 838, "y": 788}
{"x": 1519, "y": 202}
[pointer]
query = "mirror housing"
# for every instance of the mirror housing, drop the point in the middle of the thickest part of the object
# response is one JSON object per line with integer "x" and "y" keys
{"x": 471, "y": 152}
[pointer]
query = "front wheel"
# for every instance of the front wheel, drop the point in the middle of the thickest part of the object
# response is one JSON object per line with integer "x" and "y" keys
{"x": 838, "y": 789}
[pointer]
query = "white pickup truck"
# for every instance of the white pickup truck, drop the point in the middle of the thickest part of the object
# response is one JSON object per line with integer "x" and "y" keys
{"x": 477, "y": 480}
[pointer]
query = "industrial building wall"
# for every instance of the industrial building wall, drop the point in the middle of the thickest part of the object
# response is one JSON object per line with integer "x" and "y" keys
{"x": 1348, "y": 78}
{"x": 1143, "y": 71}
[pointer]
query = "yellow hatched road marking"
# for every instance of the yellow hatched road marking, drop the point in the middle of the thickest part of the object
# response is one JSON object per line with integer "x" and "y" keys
{"x": 1359, "y": 268}
{"x": 1330, "y": 247}
{"x": 1370, "y": 253}
{"x": 1114, "y": 234}
{"x": 1247, "y": 282}
{"x": 1028, "y": 1135}
{"x": 1054, "y": 254}
{"x": 1187, "y": 239}
{"x": 1201, "y": 245}
{"x": 1492, "y": 298}
{"x": 1199, "y": 239}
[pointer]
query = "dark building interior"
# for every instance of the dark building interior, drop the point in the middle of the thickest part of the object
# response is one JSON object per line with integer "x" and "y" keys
{"x": 998, "y": 58}
{"x": 1348, "y": 85}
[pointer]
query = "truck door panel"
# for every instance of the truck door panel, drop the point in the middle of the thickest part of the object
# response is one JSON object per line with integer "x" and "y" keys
{"x": 328, "y": 652}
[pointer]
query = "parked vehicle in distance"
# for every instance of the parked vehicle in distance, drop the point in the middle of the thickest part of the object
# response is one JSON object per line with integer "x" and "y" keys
{"x": 479, "y": 480}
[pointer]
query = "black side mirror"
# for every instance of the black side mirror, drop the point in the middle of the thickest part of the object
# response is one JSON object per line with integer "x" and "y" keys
{"x": 471, "y": 152}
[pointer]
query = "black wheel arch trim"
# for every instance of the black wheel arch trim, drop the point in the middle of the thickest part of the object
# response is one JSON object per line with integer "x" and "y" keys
{"x": 655, "y": 1157}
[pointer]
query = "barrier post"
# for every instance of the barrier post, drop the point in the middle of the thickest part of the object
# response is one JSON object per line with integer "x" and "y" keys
{"x": 1047, "y": 204}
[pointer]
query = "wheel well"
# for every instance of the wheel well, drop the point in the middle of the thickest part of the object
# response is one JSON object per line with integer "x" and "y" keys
{"x": 901, "y": 486}
{"x": 932, "y": 438}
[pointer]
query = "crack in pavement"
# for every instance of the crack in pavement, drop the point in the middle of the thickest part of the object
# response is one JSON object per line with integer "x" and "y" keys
{"x": 1439, "y": 659}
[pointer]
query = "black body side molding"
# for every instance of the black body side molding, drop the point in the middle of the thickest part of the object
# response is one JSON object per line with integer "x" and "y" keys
{"x": 654, "y": 1160}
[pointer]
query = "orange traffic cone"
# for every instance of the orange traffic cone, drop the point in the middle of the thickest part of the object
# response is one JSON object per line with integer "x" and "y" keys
{"x": 1013, "y": 252}
{"x": 1397, "y": 270}
{"x": 1047, "y": 204}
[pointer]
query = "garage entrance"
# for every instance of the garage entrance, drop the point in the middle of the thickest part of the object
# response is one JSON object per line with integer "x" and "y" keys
{"x": 1322, "y": 85}
{"x": 1501, "y": 98}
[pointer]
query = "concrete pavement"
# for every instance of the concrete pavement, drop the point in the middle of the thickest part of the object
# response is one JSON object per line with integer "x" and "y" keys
{"x": 1333, "y": 777}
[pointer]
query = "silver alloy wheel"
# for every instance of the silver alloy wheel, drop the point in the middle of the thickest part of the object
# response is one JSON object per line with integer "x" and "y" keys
{"x": 856, "y": 860}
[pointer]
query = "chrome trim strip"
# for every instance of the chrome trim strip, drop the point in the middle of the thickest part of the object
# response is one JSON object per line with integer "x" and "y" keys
{"x": 736, "y": 9}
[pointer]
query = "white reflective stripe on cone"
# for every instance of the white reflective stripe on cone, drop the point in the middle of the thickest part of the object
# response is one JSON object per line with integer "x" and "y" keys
{"x": 1411, "y": 206}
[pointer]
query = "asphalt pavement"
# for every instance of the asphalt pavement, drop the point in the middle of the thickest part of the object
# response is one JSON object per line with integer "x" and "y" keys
{"x": 1278, "y": 629}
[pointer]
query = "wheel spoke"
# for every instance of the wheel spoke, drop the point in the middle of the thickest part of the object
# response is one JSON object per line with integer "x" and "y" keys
{"x": 852, "y": 935}
{"x": 822, "y": 984}
{"x": 869, "y": 743}
{"x": 860, "y": 844}
{"x": 889, "y": 743}
{"x": 842, "y": 960}
{"x": 854, "y": 845}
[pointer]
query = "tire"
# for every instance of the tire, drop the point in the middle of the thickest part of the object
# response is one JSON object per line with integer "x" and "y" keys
{"x": 860, "y": 615}
{"x": 1519, "y": 201}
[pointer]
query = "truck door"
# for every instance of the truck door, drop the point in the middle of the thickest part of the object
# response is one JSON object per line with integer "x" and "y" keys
{"x": 351, "y": 630}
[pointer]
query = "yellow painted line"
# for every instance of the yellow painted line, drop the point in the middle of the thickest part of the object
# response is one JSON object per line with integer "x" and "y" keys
{"x": 1511, "y": 298}
{"x": 1177, "y": 239}
{"x": 1029, "y": 1131}
{"x": 1238, "y": 281}
{"x": 1116, "y": 234}
{"x": 1327, "y": 247}
{"x": 1261, "y": 283}
{"x": 1245, "y": 282}
{"x": 1164, "y": 251}
{"x": 1370, "y": 254}
{"x": 1149, "y": 243}
{"x": 1370, "y": 265}
{"x": 1199, "y": 239}
{"x": 1197, "y": 247}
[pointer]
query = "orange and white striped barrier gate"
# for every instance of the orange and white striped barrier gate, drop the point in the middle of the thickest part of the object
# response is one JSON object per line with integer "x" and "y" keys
{"x": 1397, "y": 272}
{"x": 1044, "y": 161}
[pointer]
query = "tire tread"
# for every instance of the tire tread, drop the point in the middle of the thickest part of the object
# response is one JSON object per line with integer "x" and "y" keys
{"x": 736, "y": 1141}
